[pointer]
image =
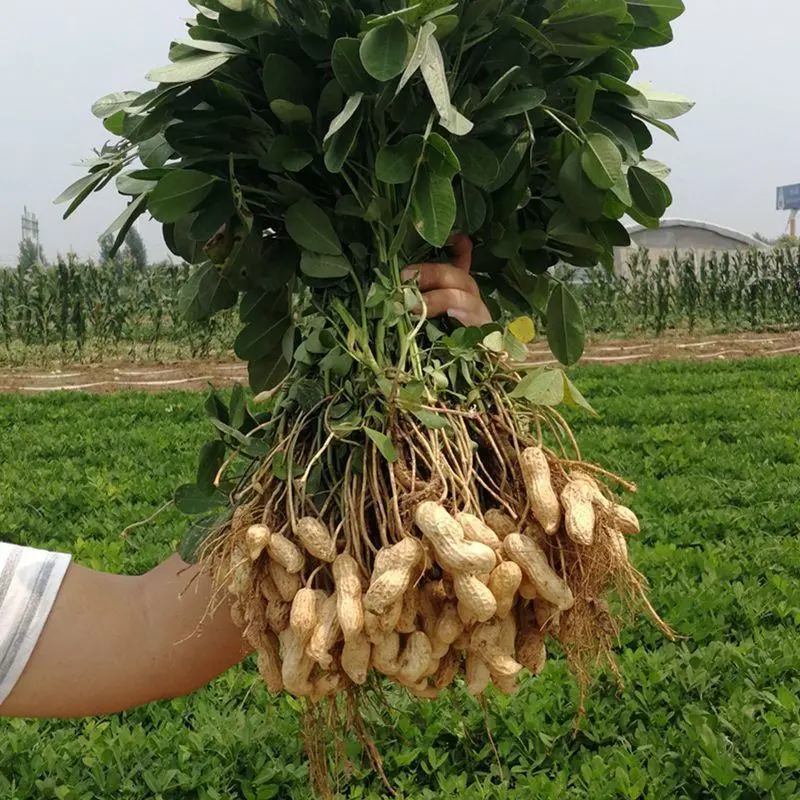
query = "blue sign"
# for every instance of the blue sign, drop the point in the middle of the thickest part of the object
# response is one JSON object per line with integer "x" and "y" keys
{"x": 789, "y": 198}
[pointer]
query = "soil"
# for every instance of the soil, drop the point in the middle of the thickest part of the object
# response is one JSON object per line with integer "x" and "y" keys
{"x": 111, "y": 376}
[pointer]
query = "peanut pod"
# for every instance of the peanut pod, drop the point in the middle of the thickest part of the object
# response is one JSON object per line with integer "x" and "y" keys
{"x": 539, "y": 488}
{"x": 297, "y": 665}
{"x": 257, "y": 539}
{"x": 477, "y": 676}
{"x": 303, "y": 616}
{"x": 350, "y": 608}
{"x": 286, "y": 553}
{"x": 269, "y": 663}
{"x": 288, "y": 584}
{"x": 476, "y": 530}
{"x": 355, "y": 659}
{"x": 504, "y": 582}
{"x": 500, "y": 522}
{"x": 325, "y": 634}
{"x": 386, "y": 655}
{"x": 316, "y": 539}
{"x": 577, "y": 498}
{"x": 414, "y": 659}
{"x": 453, "y": 551}
{"x": 525, "y": 552}
{"x": 477, "y": 598}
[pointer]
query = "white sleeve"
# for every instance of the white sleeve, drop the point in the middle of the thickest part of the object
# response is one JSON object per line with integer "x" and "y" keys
{"x": 29, "y": 584}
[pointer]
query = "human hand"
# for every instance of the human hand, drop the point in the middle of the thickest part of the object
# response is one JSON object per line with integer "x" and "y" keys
{"x": 449, "y": 289}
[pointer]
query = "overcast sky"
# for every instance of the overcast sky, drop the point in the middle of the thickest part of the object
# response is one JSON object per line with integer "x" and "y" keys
{"x": 736, "y": 58}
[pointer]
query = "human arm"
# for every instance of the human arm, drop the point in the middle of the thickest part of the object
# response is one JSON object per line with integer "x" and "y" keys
{"x": 115, "y": 642}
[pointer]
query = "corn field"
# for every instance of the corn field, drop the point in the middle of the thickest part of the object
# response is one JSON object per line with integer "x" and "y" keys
{"x": 76, "y": 312}
{"x": 718, "y": 292}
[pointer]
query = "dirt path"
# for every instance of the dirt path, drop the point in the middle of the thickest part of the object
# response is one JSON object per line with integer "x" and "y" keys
{"x": 194, "y": 375}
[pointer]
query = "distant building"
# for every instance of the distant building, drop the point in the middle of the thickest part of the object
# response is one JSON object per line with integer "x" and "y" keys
{"x": 683, "y": 235}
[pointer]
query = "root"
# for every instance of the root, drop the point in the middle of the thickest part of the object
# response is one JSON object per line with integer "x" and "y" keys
{"x": 368, "y": 505}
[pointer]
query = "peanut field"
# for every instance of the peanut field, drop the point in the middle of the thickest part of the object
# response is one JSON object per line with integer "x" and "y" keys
{"x": 714, "y": 449}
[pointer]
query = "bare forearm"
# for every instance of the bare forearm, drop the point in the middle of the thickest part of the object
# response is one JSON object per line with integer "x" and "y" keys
{"x": 112, "y": 643}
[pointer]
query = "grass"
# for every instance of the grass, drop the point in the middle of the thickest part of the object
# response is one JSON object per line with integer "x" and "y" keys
{"x": 715, "y": 715}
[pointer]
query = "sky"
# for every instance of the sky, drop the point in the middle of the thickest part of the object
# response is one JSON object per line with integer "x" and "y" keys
{"x": 736, "y": 58}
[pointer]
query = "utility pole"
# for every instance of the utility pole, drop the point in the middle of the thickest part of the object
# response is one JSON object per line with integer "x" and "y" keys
{"x": 30, "y": 228}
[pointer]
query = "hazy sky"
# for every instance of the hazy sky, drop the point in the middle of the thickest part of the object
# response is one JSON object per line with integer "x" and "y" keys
{"x": 736, "y": 58}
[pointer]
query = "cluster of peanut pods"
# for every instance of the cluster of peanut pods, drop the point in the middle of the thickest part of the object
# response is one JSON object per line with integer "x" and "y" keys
{"x": 459, "y": 595}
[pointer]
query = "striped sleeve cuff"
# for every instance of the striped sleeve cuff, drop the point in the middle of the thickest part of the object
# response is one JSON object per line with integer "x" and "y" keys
{"x": 29, "y": 584}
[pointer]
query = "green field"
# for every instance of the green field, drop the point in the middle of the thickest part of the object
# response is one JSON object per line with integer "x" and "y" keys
{"x": 716, "y": 451}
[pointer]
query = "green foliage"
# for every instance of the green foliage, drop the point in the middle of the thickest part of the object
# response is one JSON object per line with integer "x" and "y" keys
{"x": 515, "y": 121}
{"x": 714, "y": 715}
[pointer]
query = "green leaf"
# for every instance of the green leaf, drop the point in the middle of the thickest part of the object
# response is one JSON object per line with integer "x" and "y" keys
{"x": 573, "y": 397}
{"x": 350, "y": 107}
{"x": 433, "y": 207}
{"x": 435, "y": 76}
{"x": 396, "y": 164}
{"x": 311, "y": 228}
{"x": 473, "y": 208}
{"x": 418, "y": 54}
{"x": 132, "y": 187}
{"x": 650, "y": 195}
{"x": 479, "y": 165}
{"x": 156, "y": 151}
{"x": 601, "y": 160}
{"x": 237, "y": 409}
{"x": 499, "y": 86}
{"x": 584, "y": 101}
{"x": 542, "y": 387}
{"x": 383, "y": 443}
{"x": 348, "y": 69}
{"x": 565, "y": 330}
{"x": 440, "y": 156}
{"x": 266, "y": 373}
{"x": 189, "y": 69}
{"x": 341, "y": 144}
{"x": 83, "y": 186}
{"x": 431, "y": 420}
{"x": 193, "y": 499}
{"x": 283, "y": 79}
{"x": 290, "y": 113}
{"x": 514, "y": 103}
{"x": 511, "y": 160}
{"x": 178, "y": 193}
{"x": 324, "y": 267}
{"x": 262, "y": 337}
{"x": 584, "y": 17}
{"x": 580, "y": 195}
{"x": 113, "y": 103}
{"x": 204, "y": 294}
{"x": 659, "y": 105}
{"x": 494, "y": 342}
{"x": 655, "y": 168}
{"x": 383, "y": 50}
{"x": 194, "y": 542}
{"x": 647, "y": 13}
{"x": 124, "y": 222}
{"x": 212, "y": 456}
{"x": 207, "y": 46}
